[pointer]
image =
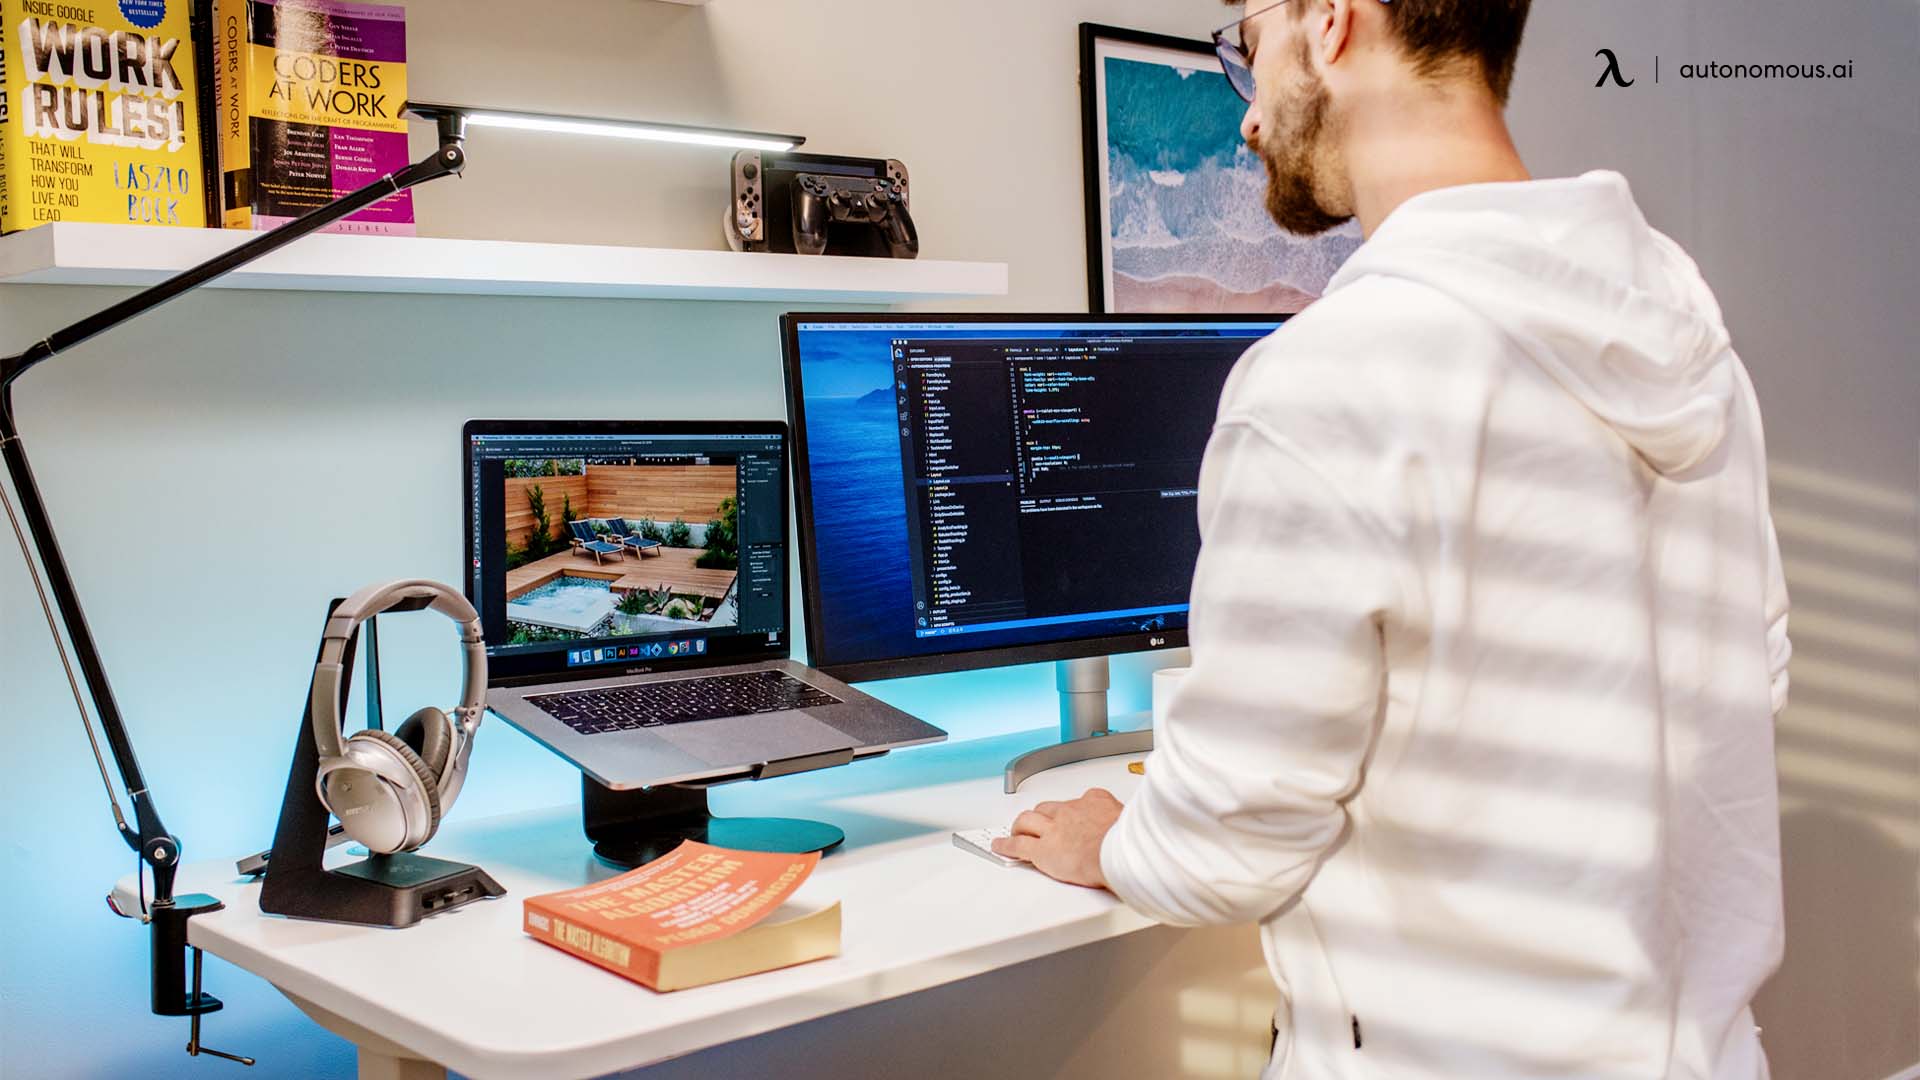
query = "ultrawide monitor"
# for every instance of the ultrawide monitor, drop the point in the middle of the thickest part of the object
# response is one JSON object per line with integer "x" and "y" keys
{"x": 978, "y": 490}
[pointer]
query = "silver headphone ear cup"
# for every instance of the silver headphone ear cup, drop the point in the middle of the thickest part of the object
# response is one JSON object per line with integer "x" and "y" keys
{"x": 429, "y": 733}
{"x": 419, "y": 828}
{"x": 365, "y": 793}
{"x": 444, "y": 746}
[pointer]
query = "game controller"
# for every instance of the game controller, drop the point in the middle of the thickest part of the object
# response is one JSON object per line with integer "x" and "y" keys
{"x": 822, "y": 201}
{"x": 787, "y": 203}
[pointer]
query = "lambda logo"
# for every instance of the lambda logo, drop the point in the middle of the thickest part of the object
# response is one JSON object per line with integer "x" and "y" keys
{"x": 1612, "y": 71}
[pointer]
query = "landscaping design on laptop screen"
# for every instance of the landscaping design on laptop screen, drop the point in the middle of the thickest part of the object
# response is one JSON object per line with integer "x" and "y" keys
{"x": 599, "y": 547}
{"x": 622, "y": 548}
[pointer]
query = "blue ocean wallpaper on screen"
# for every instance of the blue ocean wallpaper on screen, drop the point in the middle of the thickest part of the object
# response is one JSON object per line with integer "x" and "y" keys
{"x": 851, "y": 456}
{"x": 1185, "y": 199}
{"x": 859, "y": 494}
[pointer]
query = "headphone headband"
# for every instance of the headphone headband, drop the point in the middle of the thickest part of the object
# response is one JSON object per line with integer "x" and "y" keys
{"x": 385, "y": 596}
{"x": 326, "y": 705}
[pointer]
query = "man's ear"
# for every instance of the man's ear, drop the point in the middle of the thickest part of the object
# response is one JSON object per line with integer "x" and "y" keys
{"x": 1330, "y": 29}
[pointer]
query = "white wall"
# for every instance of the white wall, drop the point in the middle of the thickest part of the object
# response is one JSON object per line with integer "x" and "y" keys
{"x": 221, "y": 468}
{"x": 1797, "y": 201}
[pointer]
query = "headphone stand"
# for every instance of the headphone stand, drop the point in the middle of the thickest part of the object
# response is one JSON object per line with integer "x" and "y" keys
{"x": 380, "y": 890}
{"x": 630, "y": 828}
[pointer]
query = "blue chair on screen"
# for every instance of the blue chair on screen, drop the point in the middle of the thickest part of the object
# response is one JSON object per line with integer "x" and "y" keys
{"x": 584, "y": 541}
{"x": 639, "y": 545}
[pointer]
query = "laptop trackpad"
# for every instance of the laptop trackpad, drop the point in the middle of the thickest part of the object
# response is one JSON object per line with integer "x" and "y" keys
{"x": 750, "y": 740}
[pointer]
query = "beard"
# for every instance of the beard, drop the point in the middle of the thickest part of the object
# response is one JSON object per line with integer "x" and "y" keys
{"x": 1292, "y": 152}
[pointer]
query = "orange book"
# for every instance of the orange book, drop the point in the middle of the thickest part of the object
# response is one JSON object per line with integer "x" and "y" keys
{"x": 697, "y": 915}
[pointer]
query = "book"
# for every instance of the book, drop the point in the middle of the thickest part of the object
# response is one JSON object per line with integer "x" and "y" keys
{"x": 100, "y": 117}
{"x": 697, "y": 915}
{"x": 310, "y": 99}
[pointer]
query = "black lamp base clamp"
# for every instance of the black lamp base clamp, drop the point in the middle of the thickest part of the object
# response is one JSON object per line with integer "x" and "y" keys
{"x": 158, "y": 849}
{"x": 171, "y": 997}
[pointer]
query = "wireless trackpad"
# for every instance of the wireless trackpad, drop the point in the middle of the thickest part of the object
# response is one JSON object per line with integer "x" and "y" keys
{"x": 772, "y": 737}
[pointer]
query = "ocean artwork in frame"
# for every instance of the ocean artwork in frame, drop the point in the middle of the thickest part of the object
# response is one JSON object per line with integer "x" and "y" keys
{"x": 1176, "y": 201}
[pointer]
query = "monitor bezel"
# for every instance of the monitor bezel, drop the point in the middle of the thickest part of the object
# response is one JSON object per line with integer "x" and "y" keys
{"x": 962, "y": 659}
{"x": 529, "y": 669}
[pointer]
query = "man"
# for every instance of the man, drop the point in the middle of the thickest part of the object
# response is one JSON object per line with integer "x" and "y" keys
{"x": 1488, "y": 625}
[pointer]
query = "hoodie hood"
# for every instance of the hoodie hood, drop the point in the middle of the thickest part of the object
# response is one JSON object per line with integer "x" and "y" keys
{"x": 1570, "y": 270}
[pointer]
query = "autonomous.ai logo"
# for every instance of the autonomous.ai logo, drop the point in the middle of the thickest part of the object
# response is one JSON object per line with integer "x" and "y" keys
{"x": 1612, "y": 70}
{"x": 1763, "y": 70}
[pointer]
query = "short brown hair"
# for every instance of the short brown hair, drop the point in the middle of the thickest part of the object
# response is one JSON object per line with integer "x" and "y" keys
{"x": 1435, "y": 33}
{"x": 1438, "y": 34}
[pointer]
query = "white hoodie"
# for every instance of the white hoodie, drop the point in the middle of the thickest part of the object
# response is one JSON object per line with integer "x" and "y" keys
{"x": 1488, "y": 636}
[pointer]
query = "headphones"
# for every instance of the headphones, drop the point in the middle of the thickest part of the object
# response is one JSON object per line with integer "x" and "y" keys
{"x": 390, "y": 790}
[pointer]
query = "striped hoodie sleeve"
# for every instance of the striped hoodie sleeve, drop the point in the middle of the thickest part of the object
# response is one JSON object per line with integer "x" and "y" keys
{"x": 1264, "y": 741}
{"x": 1779, "y": 648}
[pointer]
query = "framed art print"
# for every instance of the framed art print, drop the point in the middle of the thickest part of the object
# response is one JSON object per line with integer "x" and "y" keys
{"x": 1176, "y": 202}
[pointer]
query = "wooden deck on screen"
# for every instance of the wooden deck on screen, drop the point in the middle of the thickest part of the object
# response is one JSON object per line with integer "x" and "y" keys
{"x": 673, "y": 568}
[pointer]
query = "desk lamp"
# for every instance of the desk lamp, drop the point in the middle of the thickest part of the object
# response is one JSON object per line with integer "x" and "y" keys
{"x": 158, "y": 849}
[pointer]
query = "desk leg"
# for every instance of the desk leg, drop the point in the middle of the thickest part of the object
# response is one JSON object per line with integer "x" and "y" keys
{"x": 380, "y": 1058}
{"x": 377, "y": 1065}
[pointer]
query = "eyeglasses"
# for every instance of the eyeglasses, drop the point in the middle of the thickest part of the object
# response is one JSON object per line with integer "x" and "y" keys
{"x": 1233, "y": 55}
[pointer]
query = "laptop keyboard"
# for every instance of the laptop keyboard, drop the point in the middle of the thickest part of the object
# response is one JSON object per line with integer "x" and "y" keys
{"x": 680, "y": 701}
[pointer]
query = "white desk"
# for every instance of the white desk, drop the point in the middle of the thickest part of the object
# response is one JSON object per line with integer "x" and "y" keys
{"x": 468, "y": 991}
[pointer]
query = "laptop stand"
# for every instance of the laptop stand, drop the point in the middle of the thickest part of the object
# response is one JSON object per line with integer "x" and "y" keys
{"x": 629, "y": 828}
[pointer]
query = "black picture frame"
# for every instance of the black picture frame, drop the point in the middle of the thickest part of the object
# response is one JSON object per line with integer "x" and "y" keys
{"x": 1091, "y": 34}
{"x": 1279, "y": 273}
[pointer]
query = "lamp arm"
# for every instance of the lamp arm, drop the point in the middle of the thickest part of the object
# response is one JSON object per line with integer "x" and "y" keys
{"x": 158, "y": 848}
{"x": 448, "y": 160}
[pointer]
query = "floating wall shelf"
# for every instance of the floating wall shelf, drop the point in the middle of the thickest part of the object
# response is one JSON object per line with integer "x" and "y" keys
{"x": 83, "y": 254}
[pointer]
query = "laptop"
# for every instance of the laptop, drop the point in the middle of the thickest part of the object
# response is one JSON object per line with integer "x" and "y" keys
{"x": 632, "y": 581}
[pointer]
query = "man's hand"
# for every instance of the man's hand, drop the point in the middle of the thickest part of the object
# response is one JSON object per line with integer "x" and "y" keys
{"x": 1062, "y": 839}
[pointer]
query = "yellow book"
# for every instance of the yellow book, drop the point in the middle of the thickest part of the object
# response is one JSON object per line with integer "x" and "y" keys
{"x": 99, "y": 114}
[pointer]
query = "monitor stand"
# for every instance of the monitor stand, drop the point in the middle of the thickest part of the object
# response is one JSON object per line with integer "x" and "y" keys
{"x": 1084, "y": 731}
{"x": 629, "y": 828}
